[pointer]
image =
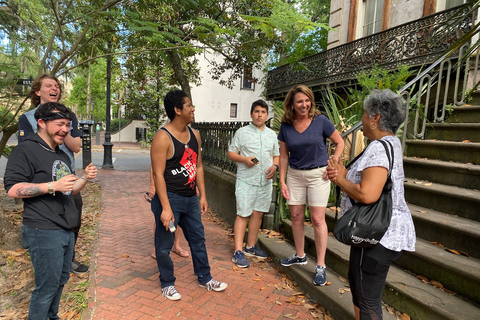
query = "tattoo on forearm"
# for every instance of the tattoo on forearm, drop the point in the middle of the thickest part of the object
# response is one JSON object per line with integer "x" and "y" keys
{"x": 30, "y": 191}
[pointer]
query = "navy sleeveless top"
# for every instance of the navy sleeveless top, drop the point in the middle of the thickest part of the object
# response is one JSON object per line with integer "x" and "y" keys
{"x": 181, "y": 169}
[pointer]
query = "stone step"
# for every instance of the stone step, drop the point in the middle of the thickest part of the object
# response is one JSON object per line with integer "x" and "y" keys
{"x": 457, "y": 273}
{"x": 465, "y": 114}
{"x": 403, "y": 291}
{"x": 449, "y": 199}
{"x": 338, "y": 304}
{"x": 451, "y": 231}
{"x": 444, "y": 172}
{"x": 444, "y": 150}
{"x": 454, "y": 131}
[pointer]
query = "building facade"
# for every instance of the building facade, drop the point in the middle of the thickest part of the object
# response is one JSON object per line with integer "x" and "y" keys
{"x": 217, "y": 103}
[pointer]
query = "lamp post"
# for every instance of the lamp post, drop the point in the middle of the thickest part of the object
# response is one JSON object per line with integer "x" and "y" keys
{"x": 107, "y": 145}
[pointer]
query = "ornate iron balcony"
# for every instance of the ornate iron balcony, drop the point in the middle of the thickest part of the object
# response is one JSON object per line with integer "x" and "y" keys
{"x": 414, "y": 44}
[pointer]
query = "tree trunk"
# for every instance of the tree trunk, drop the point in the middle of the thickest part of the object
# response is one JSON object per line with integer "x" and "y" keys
{"x": 88, "y": 100}
{"x": 179, "y": 73}
{"x": 7, "y": 133}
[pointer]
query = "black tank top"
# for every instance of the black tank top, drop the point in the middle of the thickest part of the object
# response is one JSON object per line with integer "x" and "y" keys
{"x": 181, "y": 169}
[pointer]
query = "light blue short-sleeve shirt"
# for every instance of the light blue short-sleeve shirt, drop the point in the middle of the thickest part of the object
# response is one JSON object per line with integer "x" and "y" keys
{"x": 249, "y": 141}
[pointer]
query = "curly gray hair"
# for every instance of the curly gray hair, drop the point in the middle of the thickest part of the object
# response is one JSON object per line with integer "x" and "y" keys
{"x": 389, "y": 105}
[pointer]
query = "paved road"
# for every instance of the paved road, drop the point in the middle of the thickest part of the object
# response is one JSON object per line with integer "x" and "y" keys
{"x": 128, "y": 158}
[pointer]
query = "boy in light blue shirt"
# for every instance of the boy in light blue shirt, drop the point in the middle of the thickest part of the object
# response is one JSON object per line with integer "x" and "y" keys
{"x": 255, "y": 149}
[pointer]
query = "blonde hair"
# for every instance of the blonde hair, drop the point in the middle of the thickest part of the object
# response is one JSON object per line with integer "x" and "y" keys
{"x": 289, "y": 114}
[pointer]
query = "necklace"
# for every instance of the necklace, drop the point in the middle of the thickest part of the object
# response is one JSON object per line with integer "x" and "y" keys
{"x": 299, "y": 123}
{"x": 48, "y": 149}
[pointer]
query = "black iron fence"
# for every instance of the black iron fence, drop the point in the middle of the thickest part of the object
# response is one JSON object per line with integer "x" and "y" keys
{"x": 216, "y": 138}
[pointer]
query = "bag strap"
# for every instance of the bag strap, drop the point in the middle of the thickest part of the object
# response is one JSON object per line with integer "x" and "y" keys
{"x": 390, "y": 156}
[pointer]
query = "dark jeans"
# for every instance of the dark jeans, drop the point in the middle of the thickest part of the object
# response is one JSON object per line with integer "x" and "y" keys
{"x": 51, "y": 252}
{"x": 186, "y": 211}
{"x": 367, "y": 274}
{"x": 79, "y": 205}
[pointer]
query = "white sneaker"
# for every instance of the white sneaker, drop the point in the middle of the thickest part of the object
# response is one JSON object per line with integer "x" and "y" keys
{"x": 171, "y": 293}
{"x": 214, "y": 285}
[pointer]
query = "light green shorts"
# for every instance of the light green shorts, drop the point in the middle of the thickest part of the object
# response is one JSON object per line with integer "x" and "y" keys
{"x": 252, "y": 198}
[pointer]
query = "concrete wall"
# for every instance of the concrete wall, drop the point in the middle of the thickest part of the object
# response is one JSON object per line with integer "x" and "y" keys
{"x": 403, "y": 11}
{"x": 220, "y": 186}
{"x": 128, "y": 133}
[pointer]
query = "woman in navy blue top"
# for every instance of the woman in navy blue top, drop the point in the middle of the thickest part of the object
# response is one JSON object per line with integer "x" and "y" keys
{"x": 303, "y": 150}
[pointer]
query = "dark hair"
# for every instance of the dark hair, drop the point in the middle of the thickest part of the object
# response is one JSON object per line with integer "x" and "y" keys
{"x": 389, "y": 105}
{"x": 260, "y": 103}
{"x": 45, "y": 111}
{"x": 289, "y": 114}
{"x": 37, "y": 84}
{"x": 174, "y": 99}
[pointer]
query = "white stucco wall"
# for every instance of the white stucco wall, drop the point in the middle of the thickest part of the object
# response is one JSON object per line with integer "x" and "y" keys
{"x": 128, "y": 133}
{"x": 212, "y": 100}
{"x": 403, "y": 11}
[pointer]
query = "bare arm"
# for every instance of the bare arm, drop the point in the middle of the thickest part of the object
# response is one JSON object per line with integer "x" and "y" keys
{"x": 201, "y": 176}
{"x": 74, "y": 144}
{"x": 90, "y": 173}
{"x": 29, "y": 190}
{"x": 151, "y": 188}
{"x": 337, "y": 140}
{"x": 161, "y": 146}
{"x": 283, "y": 163}
{"x": 238, "y": 158}
{"x": 371, "y": 184}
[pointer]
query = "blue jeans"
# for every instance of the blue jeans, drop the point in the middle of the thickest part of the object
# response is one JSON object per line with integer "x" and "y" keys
{"x": 186, "y": 211}
{"x": 51, "y": 252}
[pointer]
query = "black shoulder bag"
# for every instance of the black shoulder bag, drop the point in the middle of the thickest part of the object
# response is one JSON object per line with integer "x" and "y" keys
{"x": 363, "y": 225}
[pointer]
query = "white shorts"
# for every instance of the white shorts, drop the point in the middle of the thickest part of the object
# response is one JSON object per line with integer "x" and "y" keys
{"x": 308, "y": 187}
{"x": 252, "y": 198}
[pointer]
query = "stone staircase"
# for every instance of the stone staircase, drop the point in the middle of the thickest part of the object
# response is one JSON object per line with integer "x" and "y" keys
{"x": 442, "y": 189}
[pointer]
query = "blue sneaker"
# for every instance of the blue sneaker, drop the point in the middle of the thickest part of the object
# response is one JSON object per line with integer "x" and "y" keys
{"x": 255, "y": 252}
{"x": 240, "y": 260}
{"x": 320, "y": 276}
{"x": 290, "y": 261}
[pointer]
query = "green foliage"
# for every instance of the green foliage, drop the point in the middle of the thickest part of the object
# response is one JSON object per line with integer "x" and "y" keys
{"x": 278, "y": 113}
{"x": 340, "y": 113}
{"x": 297, "y": 30}
{"x": 116, "y": 123}
{"x": 77, "y": 98}
{"x": 378, "y": 78}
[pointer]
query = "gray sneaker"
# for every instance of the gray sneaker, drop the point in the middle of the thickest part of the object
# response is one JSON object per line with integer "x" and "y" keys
{"x": 240, "y": 260}
{"x": 320, "y": 276}
{"x": 78, "y": 268}
{"x": 214, "y": 285}
{"x": 290, "y": 261}
{"x": 171, "y": 293}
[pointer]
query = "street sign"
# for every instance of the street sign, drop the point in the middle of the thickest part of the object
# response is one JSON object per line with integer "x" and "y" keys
{"x": 25, "y": 82}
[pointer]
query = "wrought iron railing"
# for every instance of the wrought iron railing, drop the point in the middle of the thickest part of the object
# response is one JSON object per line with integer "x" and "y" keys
{"x": 416, "y": 43}
{"x": 431, "y": 93}
{"x": 216, "y": 138}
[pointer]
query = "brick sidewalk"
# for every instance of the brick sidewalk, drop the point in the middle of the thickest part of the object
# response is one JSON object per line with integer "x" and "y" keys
{"x": 124, "y": 281}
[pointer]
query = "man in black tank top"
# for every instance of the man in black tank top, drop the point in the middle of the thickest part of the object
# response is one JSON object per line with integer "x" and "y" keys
{"x": 177, "y": 172}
